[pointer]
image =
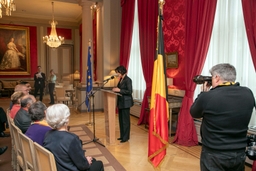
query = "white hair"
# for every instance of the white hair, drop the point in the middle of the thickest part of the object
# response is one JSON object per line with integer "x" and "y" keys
{"x": 57, "y": 115}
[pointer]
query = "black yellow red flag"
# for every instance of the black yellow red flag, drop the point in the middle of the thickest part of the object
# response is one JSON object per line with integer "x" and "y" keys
{"x": 158, "y": 122}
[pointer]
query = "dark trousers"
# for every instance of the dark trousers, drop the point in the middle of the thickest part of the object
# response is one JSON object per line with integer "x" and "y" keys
{"x": 96, "y": 166}
{"x": 51, "y": 89}
{"x": 41, "y": 92}
{"x": 212, "y": 160}
{"x": 3, "y": 120}
{"x": 124, "y": 123}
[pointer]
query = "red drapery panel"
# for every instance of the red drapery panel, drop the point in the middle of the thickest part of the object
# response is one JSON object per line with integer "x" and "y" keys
{"x": 126, "y": 31}
{"x": 147, "y": 14}
{"x": 199, "y": 23}
{"x": 94, "y": 32}
{"x": 249, "y": 10}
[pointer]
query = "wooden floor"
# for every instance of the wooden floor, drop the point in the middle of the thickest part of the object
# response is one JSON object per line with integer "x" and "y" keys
{"x": 133, "y": 154}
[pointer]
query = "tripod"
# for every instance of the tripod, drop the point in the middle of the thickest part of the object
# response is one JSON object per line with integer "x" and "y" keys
{"x": 93, "y": 120}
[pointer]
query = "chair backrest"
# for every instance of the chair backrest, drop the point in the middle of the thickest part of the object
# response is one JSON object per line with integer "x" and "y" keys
{"x": 10, "y": 120}
{"x": 66, "y": 82}
{"x": 17, "y": 145}
{"x": 28, "y": 149}
{"x": 60, "y": 92}
{"x": 14, "y": 156}
{"x": 44, "y": 159}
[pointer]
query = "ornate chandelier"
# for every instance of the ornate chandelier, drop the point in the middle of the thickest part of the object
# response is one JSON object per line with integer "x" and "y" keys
{"x": 9, "y": 6}
{"x": 53, "y": 40}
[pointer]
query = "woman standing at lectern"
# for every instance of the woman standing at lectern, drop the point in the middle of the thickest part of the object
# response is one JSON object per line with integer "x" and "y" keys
{"x": 124, "y": 102}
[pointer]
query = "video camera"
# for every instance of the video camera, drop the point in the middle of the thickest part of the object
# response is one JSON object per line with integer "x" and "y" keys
{"x": 199, "y": 79}
{"x": 251, "y": 147}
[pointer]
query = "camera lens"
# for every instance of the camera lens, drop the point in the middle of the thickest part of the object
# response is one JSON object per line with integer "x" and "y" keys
{"x": 199, "y": 79}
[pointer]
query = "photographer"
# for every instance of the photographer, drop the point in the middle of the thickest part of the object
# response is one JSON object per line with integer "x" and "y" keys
{"x": 225, "y": 110}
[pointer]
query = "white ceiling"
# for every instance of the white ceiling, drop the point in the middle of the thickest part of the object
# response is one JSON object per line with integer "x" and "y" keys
{"x": 41, "y": 10}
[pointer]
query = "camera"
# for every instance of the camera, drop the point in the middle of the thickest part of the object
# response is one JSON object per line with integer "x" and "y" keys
{"x": 199, "y": 79}
{"x": 251, "y": 147}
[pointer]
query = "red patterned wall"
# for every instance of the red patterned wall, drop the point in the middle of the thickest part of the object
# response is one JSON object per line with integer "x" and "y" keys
{"x": 174, "y": 37}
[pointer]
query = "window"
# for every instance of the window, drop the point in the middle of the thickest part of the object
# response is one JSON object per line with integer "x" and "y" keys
{"x": 229, "y": 44}
{"x": 135, "y": 67}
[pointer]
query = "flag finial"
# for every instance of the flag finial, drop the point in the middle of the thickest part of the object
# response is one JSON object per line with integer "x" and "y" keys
{"x": 89, "y": 42}
{"x": 161, "y": 6}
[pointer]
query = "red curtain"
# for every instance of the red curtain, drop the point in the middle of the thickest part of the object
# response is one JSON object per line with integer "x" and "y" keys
{"x": 94, "y": 34}
{"x": 126, "y": 31}
{"x": 199, "y": 23}
{"x": 249, "y": 10}
{"x": 147, "y": 14}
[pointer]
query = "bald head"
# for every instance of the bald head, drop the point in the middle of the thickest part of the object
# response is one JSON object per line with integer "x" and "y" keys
{"x": 22, "y": 87}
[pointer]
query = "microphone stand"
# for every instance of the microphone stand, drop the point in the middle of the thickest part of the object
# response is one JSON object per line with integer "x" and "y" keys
{"x": 93, "y": 116}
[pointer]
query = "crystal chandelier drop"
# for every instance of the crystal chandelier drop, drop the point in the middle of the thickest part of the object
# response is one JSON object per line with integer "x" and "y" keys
{"x": 53, "y": 40}
{"x": 9, "y": 6}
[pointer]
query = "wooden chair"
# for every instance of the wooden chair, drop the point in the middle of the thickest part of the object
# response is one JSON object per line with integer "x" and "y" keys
{"x": 14, "y": 158}
{"x": 18, "y": 150}
{"x": 44, "y": 159}
{"x": 60, "y": 94}
{"x": 27, "y": 146}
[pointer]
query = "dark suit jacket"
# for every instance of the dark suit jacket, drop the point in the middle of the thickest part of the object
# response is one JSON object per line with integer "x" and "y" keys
{"x": 22, "y": 120}
{"x": 126, "y": 100}
{"x": 39, "y": 82}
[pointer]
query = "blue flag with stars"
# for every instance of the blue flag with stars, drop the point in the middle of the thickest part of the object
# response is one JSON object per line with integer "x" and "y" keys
{"x": 89, "y": 79}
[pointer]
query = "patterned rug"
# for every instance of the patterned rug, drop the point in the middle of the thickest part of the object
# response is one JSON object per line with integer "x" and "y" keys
{"x": 96, "y": 150}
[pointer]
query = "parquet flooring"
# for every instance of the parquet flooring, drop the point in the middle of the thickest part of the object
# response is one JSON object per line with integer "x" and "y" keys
{"x": 133, "y": 154}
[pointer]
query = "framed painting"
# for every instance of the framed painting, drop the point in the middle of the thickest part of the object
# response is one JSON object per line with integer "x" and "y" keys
{"x": 171, "y": 60}
{"x": 14, "y": 50}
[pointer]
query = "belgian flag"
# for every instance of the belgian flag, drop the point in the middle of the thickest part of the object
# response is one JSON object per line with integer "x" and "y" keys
{"x": 158, "y": 122}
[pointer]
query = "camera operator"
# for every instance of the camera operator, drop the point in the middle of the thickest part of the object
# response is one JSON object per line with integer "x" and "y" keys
{"x": 225, "y": 110}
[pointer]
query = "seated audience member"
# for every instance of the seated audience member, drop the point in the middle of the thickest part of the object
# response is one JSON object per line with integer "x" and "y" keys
{"x": 66, "y": 146}
{"x": 15, "y": 99}
{"x": 27, "y": 84}
{"x": 20, "y": 88}
{"x": 39, "y": 126}
{"x": 22, "y": 119}
{"x": 3, "y": 123}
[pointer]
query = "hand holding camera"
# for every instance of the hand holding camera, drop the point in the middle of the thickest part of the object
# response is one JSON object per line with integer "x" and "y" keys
{"x": 205, "y": 80}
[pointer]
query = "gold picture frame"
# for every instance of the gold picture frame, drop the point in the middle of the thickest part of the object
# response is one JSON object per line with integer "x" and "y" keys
{"x": 14, "y": 50}
{"x": 171, "y": 60}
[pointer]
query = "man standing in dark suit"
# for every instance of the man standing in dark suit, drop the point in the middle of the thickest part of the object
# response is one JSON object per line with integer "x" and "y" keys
{"x": 124, "y": 102}
{"x": 39, "y": 78}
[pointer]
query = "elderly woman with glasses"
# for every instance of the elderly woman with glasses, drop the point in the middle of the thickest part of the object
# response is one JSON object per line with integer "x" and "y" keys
{"x": 66, "y": 146}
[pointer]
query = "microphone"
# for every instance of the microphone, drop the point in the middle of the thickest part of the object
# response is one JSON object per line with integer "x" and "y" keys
{"x": 110, "y": 78}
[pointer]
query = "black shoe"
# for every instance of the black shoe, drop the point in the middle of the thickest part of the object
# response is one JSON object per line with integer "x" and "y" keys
{"x": 119, "y": 138}
{"x": 3, "y": 149}
{"x": 2, "y": 134}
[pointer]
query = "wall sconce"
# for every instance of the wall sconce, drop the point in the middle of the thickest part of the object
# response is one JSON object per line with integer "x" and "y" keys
{"x": 77, "y": 75}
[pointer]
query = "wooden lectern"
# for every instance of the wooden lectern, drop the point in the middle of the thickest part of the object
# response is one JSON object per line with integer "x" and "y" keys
{"x": 110, "y": 114}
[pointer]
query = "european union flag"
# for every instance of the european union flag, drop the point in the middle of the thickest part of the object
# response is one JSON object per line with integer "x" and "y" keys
{"x": 89, "y": 80}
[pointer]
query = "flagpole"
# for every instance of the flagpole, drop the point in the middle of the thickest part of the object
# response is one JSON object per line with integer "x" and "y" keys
{"x": 90, "y": 93}
{"x": 89, "y": 123}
